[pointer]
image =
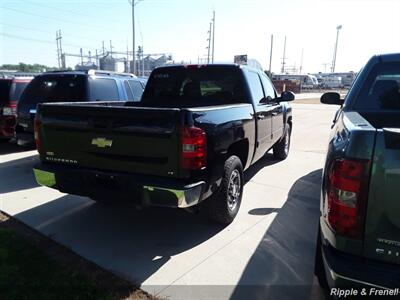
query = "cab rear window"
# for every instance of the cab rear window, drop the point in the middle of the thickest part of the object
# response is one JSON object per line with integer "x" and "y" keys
{"x": 194, "y": 86}
{"x": 381, "y": 91}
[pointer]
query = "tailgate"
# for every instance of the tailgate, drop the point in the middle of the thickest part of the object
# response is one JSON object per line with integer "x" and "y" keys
{"x": 119, "y": 139}
{"x": 382, "y": 231}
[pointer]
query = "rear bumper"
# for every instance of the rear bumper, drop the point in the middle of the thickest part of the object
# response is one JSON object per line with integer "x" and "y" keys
{"x": 7, "y": 126}
{"x": 343, "y": 270}
{"x": 131, "y": 187}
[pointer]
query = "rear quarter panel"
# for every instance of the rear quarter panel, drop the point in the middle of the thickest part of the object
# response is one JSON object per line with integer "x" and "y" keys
{"x": 224, "y": 126}
{"x": 354, "y": 138}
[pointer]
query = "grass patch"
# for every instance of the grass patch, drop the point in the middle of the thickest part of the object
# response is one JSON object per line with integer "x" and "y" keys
{"x": 28, "y": 273}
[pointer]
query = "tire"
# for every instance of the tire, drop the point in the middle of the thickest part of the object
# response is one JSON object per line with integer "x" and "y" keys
{"x": 319, "y": 269}
{"x": 281, "y": 148}
{"x": 224, "y": 204}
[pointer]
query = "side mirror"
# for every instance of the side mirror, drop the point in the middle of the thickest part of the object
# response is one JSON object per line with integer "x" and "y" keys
{"x": 286, "y": 96}
{"x": 331, "y": 98}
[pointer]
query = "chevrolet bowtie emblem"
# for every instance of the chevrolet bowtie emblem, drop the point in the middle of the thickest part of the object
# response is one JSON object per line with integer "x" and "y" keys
{"x": 102, "y": 142}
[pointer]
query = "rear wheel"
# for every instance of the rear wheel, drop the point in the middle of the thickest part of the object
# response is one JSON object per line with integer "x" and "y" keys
{"x": 224, "y": 205}
{"x": 281, "y": 148}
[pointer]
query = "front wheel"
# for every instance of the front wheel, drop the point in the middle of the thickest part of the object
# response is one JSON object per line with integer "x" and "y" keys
{"x": 224, "y": 205}
{"x": 281, "y": 148}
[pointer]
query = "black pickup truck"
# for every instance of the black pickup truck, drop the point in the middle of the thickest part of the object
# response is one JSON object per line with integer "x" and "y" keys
{"x": 195, "y": 130}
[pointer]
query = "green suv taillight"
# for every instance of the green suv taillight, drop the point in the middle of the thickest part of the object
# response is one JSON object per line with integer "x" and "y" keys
{"x": 347, "y": 192}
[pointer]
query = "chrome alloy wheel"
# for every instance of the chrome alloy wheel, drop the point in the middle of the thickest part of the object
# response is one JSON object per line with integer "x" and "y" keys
{"x": 287, "y": 141}
{"x": 234, "y": 190}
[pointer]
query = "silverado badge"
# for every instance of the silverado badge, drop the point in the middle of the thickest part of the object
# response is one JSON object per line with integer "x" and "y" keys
{"x": 102, "y": 142}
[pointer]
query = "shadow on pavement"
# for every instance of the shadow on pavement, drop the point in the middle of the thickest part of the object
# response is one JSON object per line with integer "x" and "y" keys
{"x": 284, "y": 259}
{"x": 17, "y": 175}
{"x": 133, "y": 244}
{"x": 12, "y": 147}
{"x": 265, "y": 161}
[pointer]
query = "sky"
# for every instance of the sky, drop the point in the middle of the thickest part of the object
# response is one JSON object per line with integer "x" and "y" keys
{"x": 179, "y": 27}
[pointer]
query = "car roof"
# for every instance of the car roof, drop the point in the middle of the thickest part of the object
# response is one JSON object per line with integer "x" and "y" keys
{"x": 390, "y": 57}
{"x": 91, "y": 72}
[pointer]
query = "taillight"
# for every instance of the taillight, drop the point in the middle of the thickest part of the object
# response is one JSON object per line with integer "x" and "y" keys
{"x": 194, "y": 149}
{"x": 346, "y": 197}
{"x": 37, "y": 123}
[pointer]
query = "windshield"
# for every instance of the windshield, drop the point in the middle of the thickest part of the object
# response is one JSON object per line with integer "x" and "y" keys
{"x": 197, "y": 86}
{"x": 5, "y": 86}
{"x": 55, "y": 88}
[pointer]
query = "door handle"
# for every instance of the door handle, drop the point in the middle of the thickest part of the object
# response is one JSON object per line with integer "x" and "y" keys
{"x": 261, "y": 117}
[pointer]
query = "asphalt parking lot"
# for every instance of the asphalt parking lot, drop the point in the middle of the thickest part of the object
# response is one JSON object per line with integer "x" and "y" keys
{"x": 267, "y": 250}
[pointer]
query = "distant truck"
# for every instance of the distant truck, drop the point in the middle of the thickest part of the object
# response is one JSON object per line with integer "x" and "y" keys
{"x": 188, "y": 141}
{"x": 306, "y": 81}
{"x": 332, "y": 82}
{"x": 358, "y": 242}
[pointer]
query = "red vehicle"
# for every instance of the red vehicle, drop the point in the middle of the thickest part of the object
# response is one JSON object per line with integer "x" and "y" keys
{"x": 11, "y": 89}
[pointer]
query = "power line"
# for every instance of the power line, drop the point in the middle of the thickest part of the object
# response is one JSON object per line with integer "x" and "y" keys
{"x": 62, "y": 10}
{"x": 43, "y": 31}
{"x": 41, "y": 41}
{"x": 56, "y": 19}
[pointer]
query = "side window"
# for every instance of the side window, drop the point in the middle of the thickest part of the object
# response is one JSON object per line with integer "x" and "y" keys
{"x": 268, "y": 87}
{"x": 256, "y": 89}
{"x": 102, "y": 89}
{"x": 137, "y": 89}
{"x": 128, "y": 91}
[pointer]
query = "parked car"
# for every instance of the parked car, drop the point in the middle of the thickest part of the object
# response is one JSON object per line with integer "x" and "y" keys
{"x": 11, "y": 88}
{"x": 189, "y": 139}
{"x": 61, "y": 86}
{"x": 359, "y": 235}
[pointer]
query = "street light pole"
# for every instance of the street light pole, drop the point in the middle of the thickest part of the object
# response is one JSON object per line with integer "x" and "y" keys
{"x": 336, "y": 46}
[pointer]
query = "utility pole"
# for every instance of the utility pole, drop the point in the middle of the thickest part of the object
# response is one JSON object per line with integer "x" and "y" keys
{"x": 90, "y": 56}
{"x": 127, "y": 57}
{"x": 63, "y": 64}
{"x": 142, "y": 61}
{"x": 209, "y": 44}
{"x": 335, "y": 50}
{"x": 97, "y": 59}
{"x": 301, "y": 61}
{"x": 284, "y": 57}
{"x": 59, "y": 47}
{"x": 133, "y": 3}
{"x": 81, "y": 57}
{"x": 325, "y": 65}
{"x": 270, "y": 55}
{"x": 213, "y": 36}
{"x": 111, "y": 47}
{"x": 139, "y": 55}
{"x": 104, "y": 49}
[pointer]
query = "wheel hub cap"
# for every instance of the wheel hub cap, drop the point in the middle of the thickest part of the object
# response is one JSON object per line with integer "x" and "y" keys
{"x": 234, "y": 189}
